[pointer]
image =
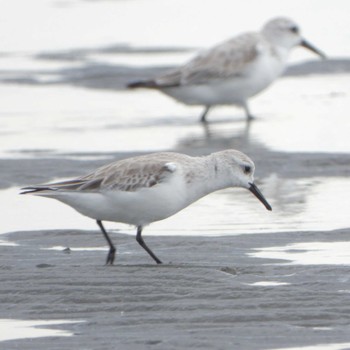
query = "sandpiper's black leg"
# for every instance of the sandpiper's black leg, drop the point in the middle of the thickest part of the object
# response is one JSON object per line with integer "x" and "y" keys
{"x": 204, "y": 114}
{"x": 250, "y": 117}
{"x": 142, "y": 243}
{"x": 112, "y": 249}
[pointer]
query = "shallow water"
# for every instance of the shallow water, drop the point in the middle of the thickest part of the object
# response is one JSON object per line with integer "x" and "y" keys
{"x": 298, "y": 204}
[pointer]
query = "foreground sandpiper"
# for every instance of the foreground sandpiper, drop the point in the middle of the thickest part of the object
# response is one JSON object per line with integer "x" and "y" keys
{"x": 144, "y": 189}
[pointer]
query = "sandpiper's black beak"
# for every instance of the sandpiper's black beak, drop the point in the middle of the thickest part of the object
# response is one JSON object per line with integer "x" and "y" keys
{"x": 307, "y": 45}
{"x": 254, "y": 189}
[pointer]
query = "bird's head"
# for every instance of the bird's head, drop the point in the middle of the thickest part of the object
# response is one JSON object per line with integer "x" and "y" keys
{"x": 284, "y": 32}
{"x": 240, "y": 170}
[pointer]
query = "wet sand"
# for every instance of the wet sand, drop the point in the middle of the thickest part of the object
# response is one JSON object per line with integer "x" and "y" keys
{"x": 205, "y": 296}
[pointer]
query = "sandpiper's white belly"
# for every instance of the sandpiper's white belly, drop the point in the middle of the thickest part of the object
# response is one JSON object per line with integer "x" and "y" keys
{"x": 236, "y": 90}
{"x": 138, "y": 208}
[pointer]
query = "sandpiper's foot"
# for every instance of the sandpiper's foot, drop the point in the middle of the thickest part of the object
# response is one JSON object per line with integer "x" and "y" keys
{"x": 250, "y": 117}
{"x": 204, "y": 114}
{"x": 110, "y": 256}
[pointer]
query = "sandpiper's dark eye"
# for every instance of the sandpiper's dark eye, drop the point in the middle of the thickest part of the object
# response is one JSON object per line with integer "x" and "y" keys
{"x": 247, "y": 169}
{"x": 294, "y": 29}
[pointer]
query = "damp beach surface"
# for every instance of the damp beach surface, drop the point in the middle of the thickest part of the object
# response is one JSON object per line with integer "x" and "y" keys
{"x": 234, "y": 276}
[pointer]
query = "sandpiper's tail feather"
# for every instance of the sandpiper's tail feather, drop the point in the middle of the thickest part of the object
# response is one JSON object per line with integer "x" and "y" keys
{"x": 52, "y": 187}
{"x": 35, "y": 189}
{"x": 168, "y": 80}
{"x": 142, "y": 83}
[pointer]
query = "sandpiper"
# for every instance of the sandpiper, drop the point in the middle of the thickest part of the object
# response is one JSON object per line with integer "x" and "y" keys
{"x": 144, "y": 189}
{"x": 233, "y": 71}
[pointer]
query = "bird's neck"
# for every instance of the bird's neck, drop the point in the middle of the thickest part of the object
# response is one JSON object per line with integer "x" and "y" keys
{"x": 278, "y": 47}
{"x": 210, "y": 176}
{"x": 281, "y": 52}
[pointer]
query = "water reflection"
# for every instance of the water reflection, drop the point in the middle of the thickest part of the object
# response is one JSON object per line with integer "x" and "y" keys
{"x": 308, "y": 253}
{"x": 333, "y": 346}
{"x": 221, "y": 134}
{"x": 299, "y": 204}
{"x": 20, "y": 329}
